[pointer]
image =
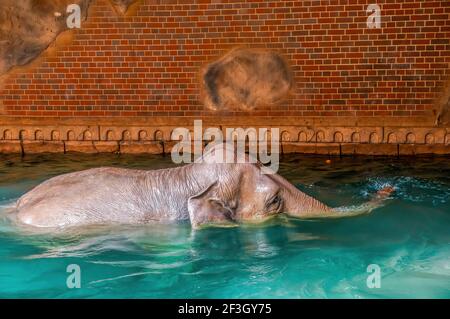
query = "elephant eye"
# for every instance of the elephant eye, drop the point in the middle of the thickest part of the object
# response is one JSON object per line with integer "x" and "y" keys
{"x": 274, "y": 201}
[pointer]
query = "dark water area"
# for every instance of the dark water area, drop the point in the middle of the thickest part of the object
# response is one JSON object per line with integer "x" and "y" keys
{"x": 408, "y": 238}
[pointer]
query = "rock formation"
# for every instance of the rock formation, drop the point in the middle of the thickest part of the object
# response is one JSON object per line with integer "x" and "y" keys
{"x": 244, "y": 79}
{"x": 28, "y": 27}
{"x": 122, "y": 5}
{"x": 443, "y": 117}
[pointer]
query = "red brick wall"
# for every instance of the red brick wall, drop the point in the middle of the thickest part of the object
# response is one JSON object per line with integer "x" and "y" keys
{"x": 147, "y": 62}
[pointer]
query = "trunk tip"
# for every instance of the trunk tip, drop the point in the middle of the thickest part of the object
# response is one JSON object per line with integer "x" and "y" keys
{"x": 385, "y": 191}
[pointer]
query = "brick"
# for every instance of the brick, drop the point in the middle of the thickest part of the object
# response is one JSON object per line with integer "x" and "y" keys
{"x": 147, "y": 63}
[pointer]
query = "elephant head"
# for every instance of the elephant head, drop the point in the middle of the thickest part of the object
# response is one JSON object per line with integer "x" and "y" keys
{"x": 242, "y": 193}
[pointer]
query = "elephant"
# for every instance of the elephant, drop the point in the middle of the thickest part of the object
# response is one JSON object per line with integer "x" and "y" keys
{"x": 206, "y": 193}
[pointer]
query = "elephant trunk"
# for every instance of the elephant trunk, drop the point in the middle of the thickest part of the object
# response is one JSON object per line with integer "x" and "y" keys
{"x": 300, "y": 205}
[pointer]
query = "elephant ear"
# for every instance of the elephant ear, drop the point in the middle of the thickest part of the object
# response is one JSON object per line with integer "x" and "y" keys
{"x": 206, "y": 208}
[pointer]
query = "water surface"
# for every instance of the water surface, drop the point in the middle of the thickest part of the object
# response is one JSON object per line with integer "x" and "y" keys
{"x": 408, "y": 239}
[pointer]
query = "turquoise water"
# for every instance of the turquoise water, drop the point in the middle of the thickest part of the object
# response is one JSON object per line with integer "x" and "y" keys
{"x": 408, "y": 239}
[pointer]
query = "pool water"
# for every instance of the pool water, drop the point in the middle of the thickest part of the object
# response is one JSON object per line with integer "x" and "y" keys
{"x": 408, "y": 239}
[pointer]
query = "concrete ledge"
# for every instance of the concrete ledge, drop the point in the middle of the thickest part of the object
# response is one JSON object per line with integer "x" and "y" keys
{"x": 366, "y": 149}
{"x": 33, "y": 147}
{"x": 311, "y": 148}
{"x": 156, "y": 139}
{"x": 432, "y": 149}
{"x": 370, "y": 149}
{"x": 92, "y": 146}
{"x": 10, "y": 147}
{"x": 141, "y": 147}
{"x": 165, "y": 147}
{"x": 106, "y": 146}
{"x": 340, "y": 149}
{"x": 80, "y": 146}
